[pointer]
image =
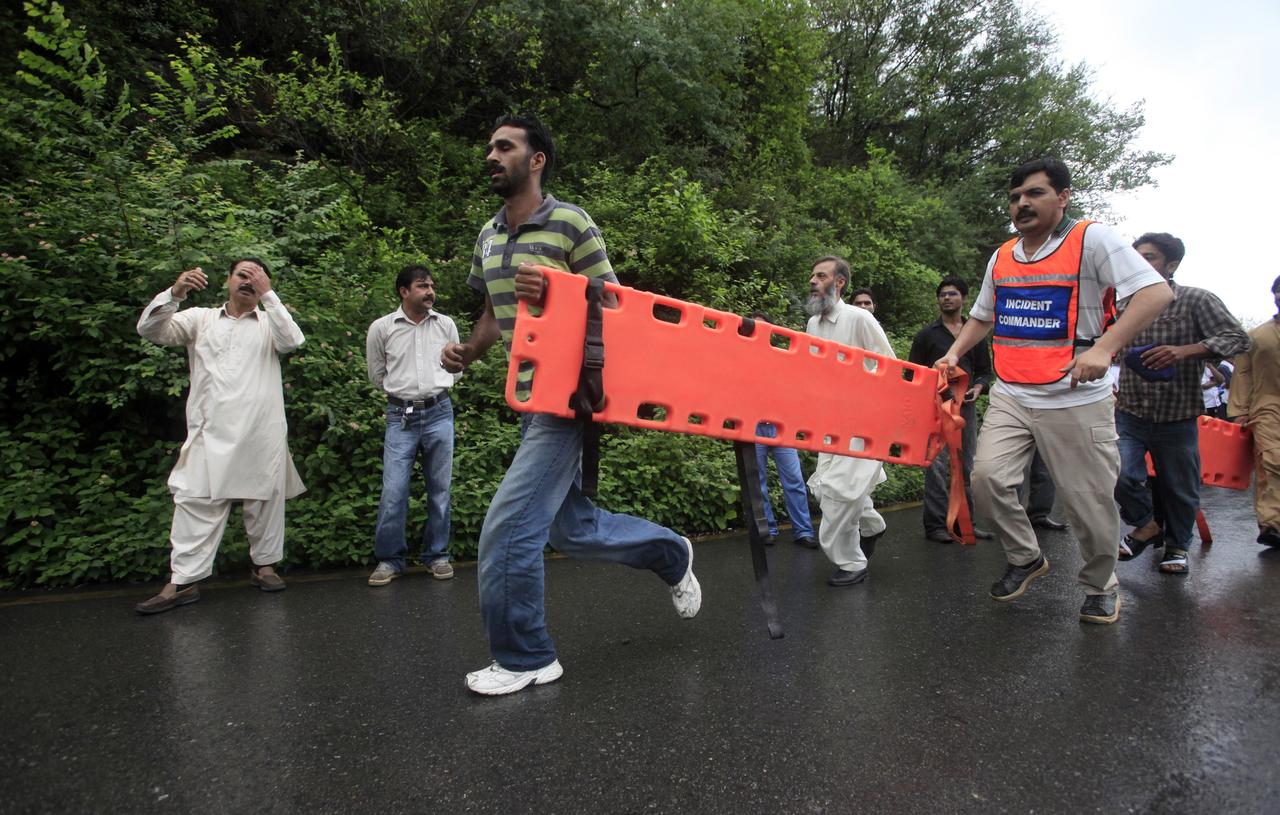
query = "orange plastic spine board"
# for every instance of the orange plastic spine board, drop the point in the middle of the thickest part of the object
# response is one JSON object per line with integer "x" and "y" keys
{"x": 1226, "y": 454}
{"x": 681, "y": 367}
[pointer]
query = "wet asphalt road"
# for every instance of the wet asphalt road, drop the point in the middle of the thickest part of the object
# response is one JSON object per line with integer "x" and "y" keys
{"x": 910, "y": 693}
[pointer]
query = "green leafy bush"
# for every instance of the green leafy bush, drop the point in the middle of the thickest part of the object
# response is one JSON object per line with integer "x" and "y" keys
{"x": 721, "y": 147}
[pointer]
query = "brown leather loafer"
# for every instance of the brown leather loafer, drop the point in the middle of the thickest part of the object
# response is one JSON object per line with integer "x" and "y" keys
{"x": 267, "y": 582}
{"x": 160, "y": 603}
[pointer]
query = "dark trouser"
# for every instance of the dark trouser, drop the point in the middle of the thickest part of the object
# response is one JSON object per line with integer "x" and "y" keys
{"x": 1175, "y": 451}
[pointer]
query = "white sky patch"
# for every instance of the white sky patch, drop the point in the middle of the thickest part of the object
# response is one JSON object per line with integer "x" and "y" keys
{"x": 1210, "y": 77}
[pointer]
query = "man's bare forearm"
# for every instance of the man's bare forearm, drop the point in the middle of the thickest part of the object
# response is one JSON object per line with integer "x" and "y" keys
{"x": 973, "y": 332}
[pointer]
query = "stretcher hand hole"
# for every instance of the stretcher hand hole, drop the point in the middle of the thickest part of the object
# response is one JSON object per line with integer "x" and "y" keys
{"x": 651, "y": 412}
{"x": 667, "y": 314}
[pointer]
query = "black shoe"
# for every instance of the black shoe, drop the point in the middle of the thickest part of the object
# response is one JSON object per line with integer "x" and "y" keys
{"x": 808, "y": 543}
{"x": 1049, "y": 523}
{"x": 160, "y": 603}
{"x": 1102, "y": 609}
{"x": 1131, "y": 547}
{"x": 868, "y": 544}
{"x": 982, "y": 534}
{"x": 1017, "y": 578}
{"x": 843, "y": 578}
{"x": 938, "y": 535}
{"x": 1269, "y": 537}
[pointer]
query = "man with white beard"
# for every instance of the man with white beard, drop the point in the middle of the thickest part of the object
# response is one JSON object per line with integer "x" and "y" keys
{"x": 850, "y": 524}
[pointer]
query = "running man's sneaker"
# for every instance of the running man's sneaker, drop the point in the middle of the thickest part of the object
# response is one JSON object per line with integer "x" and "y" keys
{"x": 497, "y": 680}
{"x": 441, "y": 569}
{"x": 1100, "y": 608}
{"x": 687, "y": 594}
{"x": 1017, "y": 578}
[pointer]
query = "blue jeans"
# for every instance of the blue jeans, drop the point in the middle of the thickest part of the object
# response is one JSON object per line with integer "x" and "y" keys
{"x": 540, "y": 502}
{"x": 794, "y": 492}
{"x": 430, "y": 431}
{"x": 1175, "y": 451}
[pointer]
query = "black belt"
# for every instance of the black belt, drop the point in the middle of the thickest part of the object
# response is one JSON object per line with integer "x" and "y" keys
{"x": 416, "y": 404}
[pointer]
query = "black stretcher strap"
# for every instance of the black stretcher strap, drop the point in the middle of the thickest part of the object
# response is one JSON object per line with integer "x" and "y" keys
{"x": 589, "y": 397}
{"x": 757, "y": 531}
{"x": 753, "y": 510}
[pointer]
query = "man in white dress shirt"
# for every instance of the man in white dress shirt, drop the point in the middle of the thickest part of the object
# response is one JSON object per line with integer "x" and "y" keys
{"x": 403, "y": 350}
{"x": 850, "y": 524}
{"x": 236, "y": 447}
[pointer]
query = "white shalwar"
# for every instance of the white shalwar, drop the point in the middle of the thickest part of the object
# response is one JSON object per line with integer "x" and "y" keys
{"x": 236, "y": 447}
{"x": 843, "y": 484}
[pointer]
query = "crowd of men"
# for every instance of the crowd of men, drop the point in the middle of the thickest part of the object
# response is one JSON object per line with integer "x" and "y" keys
{"x": 1062, "y": 300}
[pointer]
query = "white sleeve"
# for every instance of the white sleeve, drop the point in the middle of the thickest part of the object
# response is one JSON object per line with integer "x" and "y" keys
{"x": 872, "y": 337}
{"x": 452, "y": 334}
{"x": 984, "y": 305}
{"x": 285, "y": 334}
{"x": 375, "y": 353}
{"x": 1119, "y": 264}
{"x": 163, "y": 324}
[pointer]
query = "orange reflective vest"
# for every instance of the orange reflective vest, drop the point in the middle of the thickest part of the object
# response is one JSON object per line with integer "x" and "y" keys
{"x": 1036, "y": 307}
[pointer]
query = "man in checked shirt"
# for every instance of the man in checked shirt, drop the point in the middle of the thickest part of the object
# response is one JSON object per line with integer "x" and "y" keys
{"x": 1157, "y": 413}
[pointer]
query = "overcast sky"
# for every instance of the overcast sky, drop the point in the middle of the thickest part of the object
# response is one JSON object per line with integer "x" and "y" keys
{"x": 1209, "y": 73}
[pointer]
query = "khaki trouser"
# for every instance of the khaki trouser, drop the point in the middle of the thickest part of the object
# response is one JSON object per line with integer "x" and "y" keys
{"x": 197, "y": 529}
{"x": 1078, "y": 444}
{"x": 1266, "y": 473}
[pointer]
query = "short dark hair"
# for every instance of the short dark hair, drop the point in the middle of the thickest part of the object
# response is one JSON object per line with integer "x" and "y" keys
{"x": 1169, "y": 246}
{"x": 237, "y": 261}
{"x": 955, "y": 282}
{"x": 1275, "y": 286}
{"x": 536, "y": 134}
{"x": 867, "y": 292}
{"x": 1059, "y": 175}
{"x": 410, "y": 273}
{"x": 842, "y": 268}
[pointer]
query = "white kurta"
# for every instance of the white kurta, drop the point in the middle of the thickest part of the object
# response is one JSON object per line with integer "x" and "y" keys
{"x": 237, "y": 446}
{"x": 844, "y": 478}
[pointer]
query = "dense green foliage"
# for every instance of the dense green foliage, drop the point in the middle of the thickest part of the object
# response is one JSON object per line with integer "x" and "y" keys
{"x": 721, "y": 145}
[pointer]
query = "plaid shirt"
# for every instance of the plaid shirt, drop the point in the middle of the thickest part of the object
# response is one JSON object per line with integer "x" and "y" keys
{"x": 1195, "y": 315}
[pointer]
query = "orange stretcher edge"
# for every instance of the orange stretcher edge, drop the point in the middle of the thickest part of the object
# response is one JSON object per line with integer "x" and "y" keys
{"x": 681, "y": 367}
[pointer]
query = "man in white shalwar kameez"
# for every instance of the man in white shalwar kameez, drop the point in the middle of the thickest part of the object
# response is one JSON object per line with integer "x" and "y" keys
{"x": 236, "y": 447}
{"x": 850, "y": 524}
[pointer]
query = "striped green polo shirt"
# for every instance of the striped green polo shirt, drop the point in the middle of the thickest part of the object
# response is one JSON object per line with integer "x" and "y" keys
{"x": 557, "y": 235}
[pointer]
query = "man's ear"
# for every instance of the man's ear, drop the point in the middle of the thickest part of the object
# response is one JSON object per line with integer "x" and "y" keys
{"x": 1172, "y": 266}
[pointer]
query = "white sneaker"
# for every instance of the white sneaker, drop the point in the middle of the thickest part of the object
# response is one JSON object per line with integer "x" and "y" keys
{"x": 497, "y": 680}
{"x": 687, "y": 594}
{"x": 383, "y": 575}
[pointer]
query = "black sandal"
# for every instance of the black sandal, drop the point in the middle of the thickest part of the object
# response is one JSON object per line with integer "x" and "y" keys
{"x": 1131, "y": 547}
{"x": 1175, "y": 561}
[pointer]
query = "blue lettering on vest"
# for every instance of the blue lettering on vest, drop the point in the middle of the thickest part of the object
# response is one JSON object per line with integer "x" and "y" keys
{"x": 1032, "y": 312}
